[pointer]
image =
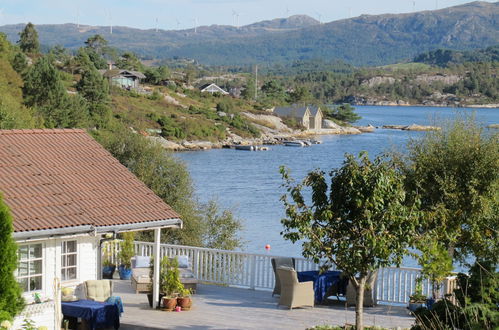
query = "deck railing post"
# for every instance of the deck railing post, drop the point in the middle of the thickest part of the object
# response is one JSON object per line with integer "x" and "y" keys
{"x": 195, "y": 264}
{"x": 253, "y": 272}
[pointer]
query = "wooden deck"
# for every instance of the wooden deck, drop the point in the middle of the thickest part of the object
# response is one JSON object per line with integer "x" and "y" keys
{"x": 218, "y": 307}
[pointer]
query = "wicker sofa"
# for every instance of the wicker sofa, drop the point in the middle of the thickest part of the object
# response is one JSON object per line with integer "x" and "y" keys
{"x": 141, "y": 281}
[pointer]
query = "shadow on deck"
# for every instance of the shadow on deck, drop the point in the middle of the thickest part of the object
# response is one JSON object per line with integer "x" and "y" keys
{"x": 218, "y": 307}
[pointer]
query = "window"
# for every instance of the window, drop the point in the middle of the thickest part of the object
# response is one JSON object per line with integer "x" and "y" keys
{"x": 30, "y": 270}
{"x": 69, "y": 260}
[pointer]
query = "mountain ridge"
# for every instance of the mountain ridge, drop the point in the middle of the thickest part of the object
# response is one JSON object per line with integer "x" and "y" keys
{"x": 363, "y": 40}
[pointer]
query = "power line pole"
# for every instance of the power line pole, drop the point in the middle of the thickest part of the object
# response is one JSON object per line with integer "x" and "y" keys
{"x": 256, "y": 82}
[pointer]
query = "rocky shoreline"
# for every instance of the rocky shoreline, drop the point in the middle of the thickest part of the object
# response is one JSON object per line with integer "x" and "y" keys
{"x": 275, "y": 132}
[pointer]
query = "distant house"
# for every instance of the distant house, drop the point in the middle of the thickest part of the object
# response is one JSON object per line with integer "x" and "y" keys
{"x": 308, "y": 116}
{"x": 66, "y": 193}
{"x": 212, "y": 88}
{"x": 127, "y": 79}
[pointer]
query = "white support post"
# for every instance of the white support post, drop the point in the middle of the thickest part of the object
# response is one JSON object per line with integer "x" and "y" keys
{"x": 157, "y": 263}
{"x": 253, "y": 272}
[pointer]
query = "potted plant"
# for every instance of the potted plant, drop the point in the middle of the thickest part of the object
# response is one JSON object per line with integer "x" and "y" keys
{"x": 417, "y": 299}
{"x": 108, "y": 267}
{"x": 151, "y": 276}
{"x": 126, "y": 254}
{"x": 184, "y": 299}
{"x": 170, "y": 283}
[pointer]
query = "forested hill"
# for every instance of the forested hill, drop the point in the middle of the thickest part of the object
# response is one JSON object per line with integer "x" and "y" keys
{"x": 446, "y": 57}
{"x": 364, "y": 40}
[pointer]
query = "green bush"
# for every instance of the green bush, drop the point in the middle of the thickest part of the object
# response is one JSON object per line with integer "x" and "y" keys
{"x": 11, "y": 301}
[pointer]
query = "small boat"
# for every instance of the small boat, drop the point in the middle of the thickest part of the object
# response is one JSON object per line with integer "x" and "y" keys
{"x": 313, "y": 141}
{"x": 296, "y": 143}
{"x": 246, "y": 148}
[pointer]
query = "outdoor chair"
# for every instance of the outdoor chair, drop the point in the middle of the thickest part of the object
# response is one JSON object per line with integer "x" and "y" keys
{"x": 98, "y": 290}
{"x": 279, "y": 262}
{"x": 370, "y": 296}
{"x": 294, "y": 293}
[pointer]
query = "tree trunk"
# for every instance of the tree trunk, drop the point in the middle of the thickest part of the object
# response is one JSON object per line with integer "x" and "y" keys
{"x": 359, "y": 304}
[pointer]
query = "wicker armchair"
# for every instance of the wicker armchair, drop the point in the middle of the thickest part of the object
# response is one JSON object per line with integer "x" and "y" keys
{"x": 98, "y": 290}
{"x": 294, "y": 293}
{"x": 278, "y": 262}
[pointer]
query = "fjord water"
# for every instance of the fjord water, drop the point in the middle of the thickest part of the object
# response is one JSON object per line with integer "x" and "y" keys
{"x": 250, "y": 183}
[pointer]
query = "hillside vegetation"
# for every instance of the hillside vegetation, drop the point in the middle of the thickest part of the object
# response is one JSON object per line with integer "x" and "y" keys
{"x": 363, "y": 41}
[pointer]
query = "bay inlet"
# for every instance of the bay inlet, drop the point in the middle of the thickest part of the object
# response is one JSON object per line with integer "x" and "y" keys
{"x": 249, "y": 183}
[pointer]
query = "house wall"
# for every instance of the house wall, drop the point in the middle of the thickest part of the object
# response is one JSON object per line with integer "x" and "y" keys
{"x": 306, "y": 121}
{"x": 87, "y": 269}
{"x": 316, "y": 121}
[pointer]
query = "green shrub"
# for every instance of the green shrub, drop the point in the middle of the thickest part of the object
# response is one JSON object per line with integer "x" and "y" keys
{"x": 11, "y": 301}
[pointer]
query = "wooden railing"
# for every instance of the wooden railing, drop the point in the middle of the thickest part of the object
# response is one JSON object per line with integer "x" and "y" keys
{"x": 254, "y": 271}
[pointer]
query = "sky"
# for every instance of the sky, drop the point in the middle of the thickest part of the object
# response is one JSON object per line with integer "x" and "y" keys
{"x": 184, "y": 14}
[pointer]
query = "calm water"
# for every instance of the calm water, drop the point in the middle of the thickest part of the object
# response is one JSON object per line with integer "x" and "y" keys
{"x": 250, "y": 183}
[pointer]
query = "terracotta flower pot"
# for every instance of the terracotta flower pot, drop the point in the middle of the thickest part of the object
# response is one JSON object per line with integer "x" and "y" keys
{"x": 169, "y": 303}
{"x": 185, "y": 303}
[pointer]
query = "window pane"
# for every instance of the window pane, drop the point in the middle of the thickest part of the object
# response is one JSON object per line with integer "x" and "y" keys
{"x": 35, "y": 267}
{"x": 63, "y": 275}
{"x": 71, "y": 273}
{"x": 71, "y": 260}
{"x": 35, "y": 283}
{"x": 35, "y": 251}
{"x": 70, "y": 246}
{"x": 22, "y": 269}
{"x": 23, "y": 283}
{"x": 23, "y": 252}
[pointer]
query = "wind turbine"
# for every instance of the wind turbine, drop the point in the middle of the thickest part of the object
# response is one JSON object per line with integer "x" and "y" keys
{"x": 110, "y": 23}
{"x": 287, "y": 11}
{"x": 178, "y": 23}
{"x": 156, "y": 25}
{"x": 413, "y": 5}
{"x": 235, "y": 16}
{"x": 320, "y": 17}
{"x": 195, "y": 25}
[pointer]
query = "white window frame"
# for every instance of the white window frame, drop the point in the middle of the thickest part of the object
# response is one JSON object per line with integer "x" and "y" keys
{"x": 66, "y": 255}
{"x": 28, "y": 260}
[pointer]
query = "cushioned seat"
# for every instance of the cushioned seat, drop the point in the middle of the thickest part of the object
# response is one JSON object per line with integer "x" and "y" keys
{"x": 98, "y": 290}
{"x": 141, "y": 281}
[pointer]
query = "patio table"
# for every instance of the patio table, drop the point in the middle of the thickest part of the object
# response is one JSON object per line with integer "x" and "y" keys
{"x": 97, "y": 314}
{"x": 323, "y": 282}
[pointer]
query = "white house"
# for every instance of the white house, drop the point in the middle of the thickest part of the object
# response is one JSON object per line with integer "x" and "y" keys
{"x": 65, "y": 193}
{"x": 212, "y": 88}
{"x": 308, "y": 116}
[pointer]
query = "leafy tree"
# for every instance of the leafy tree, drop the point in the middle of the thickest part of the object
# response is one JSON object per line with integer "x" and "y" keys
{"x": 129, "y": 61}
{"x": 248, "y": 93}
{"x": 95, "y": 89}
{"x": 43, "y": 89}
{"x": 28, "y": 40}
{"x": 162, "y": 173}
{"x": 359, "y": 222}
{"x": 96, "y": 43}
{"x": 96, "y": 46}
{"x": 19, "y": 63}
{"x": 221, "y": 228}
{"x": 11, "y": 301}
{"x": 345, "y": 113}
{"x": 156, "y": 75}
{"x": 300, "y": 95}
{"x": 273, "y": 90}
{"x": 13, "y": 114}
{"x": 456, "y": 173}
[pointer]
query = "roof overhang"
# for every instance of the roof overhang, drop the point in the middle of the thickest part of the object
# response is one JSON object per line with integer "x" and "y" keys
{"x": 93, "y": 230}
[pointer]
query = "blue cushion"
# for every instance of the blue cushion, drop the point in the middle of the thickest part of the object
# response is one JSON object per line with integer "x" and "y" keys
{"x": 142, "y": 262}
